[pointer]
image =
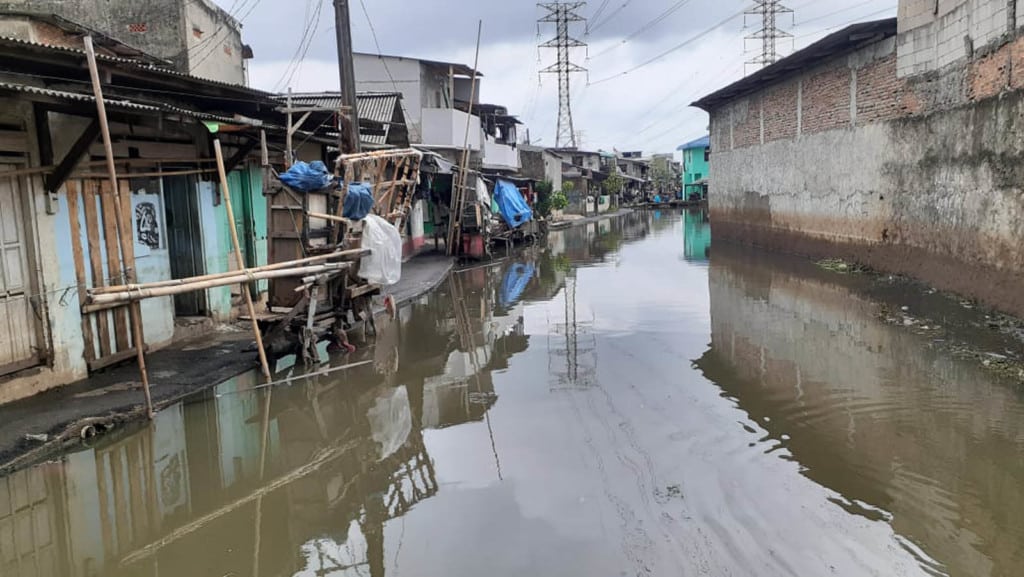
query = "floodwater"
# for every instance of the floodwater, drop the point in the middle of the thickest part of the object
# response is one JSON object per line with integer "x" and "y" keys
{"x": 623, "y": 401}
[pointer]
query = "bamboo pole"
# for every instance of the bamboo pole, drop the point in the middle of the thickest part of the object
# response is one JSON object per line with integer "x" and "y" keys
{"x": 455, "y": 226}
{"x": 225, "y": 190}
{"x": 142, "y": 292}
{"x": 352, "y": 254}
{"x": 124, "y": 239}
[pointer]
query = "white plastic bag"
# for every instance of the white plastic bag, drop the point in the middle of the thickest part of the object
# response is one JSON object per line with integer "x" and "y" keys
{"x": 384, "y": 264}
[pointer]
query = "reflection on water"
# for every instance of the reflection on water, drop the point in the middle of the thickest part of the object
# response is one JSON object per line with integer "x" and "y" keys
{"x": 562, "y": 413}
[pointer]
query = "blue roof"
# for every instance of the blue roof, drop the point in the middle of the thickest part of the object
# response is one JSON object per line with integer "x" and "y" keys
{"x": 702, "y": 142}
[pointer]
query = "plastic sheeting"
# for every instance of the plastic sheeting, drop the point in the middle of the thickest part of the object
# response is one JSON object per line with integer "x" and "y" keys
{"x": 358, "y": 201}
{"x": 511, "y": 204}
{"x": 307, "y": 177}
{"x": 384, "y": 265}
{"x": 514, "y": 283}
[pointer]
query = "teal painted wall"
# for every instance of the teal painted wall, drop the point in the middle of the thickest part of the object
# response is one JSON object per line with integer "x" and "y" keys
{"x": 694, "y": 165}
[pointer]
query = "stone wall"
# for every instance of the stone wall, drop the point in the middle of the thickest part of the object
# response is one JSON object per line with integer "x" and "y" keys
{"x": 918, "y": 174}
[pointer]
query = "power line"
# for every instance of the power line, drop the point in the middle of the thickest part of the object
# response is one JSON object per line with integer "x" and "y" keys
{"x": 384, "y": 61}
{"x": 562, "y": 15}
{"x": 308, "y": 33}
{"x": 611, "y": 16}
{"x": 650, "y": 24}
{"x": 597, "y": 14}
{"x": 675, "y": 48}
{"x": 769, "y": 33}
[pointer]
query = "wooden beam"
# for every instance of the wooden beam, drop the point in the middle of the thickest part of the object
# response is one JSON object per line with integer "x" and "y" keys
{"x": 42, "y": 121}
{"x": 293, "y": 128}
{"x": 60, "y": 174}
{"x": 240, "y": 155}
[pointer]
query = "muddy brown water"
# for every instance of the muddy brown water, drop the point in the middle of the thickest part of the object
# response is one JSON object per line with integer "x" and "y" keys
{"x": 621, "y": 401}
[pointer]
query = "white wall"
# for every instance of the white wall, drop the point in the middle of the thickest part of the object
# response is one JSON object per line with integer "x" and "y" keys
{"x": 447, "y": 127}
{"x": 214, "y": 44}
{"x": 372, "y": 75}
{"x": 500, "y": 156}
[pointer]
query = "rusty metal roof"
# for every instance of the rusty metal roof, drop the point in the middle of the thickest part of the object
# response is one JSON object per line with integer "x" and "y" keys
{"x": 836, "y": 44}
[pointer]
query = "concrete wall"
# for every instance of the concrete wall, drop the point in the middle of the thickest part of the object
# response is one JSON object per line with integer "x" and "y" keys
{"x": 447, "y": 127}
{"x": 500, "y": 156}
{"x": 936, "y": 33}
{"x": 214, "y": 43}
{"x": 372, "y": 75}
{"x": 914, "y": 175}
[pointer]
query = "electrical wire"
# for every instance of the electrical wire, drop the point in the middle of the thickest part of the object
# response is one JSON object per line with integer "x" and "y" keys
{"x": 650, "y": 24}
{"x": 675, "y": 48}
{"x": 611, "y": 16}
{"x": 387, "y": 69}
{"x": 597, "y": 14}
{"x": 311, "y": 25}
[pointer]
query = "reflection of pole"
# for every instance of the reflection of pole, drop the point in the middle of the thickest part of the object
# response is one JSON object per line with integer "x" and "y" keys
{"x": 264, "y": 441}
{"x": 571, "y": 336}
{"x": 465, "y": 330}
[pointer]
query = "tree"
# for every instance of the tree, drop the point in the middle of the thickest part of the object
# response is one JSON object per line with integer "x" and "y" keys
{"x": 614, "y": 184}
{"x": 664, "y": 180}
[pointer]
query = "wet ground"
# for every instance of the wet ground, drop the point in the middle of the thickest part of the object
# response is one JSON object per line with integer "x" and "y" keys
{"x": 613, "y": 403}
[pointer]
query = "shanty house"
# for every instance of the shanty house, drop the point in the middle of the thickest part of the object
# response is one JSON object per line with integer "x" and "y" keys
{"x": 58, "y": 215}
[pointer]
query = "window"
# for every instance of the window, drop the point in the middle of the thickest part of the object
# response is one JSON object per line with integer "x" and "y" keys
{"x": 707, "y": 154}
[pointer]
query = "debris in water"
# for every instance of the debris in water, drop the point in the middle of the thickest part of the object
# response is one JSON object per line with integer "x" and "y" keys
{"x": 37, "y": 438}
{"x": 841, "y": 266}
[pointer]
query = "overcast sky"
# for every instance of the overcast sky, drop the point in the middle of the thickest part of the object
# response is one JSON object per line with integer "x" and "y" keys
{"x": 645, "y": 109}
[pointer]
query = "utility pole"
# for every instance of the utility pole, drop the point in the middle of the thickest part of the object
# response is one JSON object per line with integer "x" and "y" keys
{"x": 769, "y": 34}
{"x": 349, "y": 140}
{"x": 562, "y": 14}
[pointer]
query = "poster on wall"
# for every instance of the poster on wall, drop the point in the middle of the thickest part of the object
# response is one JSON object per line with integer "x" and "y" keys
{"x": 146, "y": 217}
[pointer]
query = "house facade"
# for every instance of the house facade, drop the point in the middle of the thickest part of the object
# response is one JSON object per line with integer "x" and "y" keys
{"x": 58, "y": 217}
{"x": 439, "y": 102}
{"x": 696, "y": 166}
{"x": 909, "y": 126}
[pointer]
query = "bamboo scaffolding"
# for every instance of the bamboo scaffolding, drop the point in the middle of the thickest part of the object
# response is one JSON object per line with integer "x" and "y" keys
{"x": 142, "y": 292}
{"x": 225, "y": 190}
{"x": 124, "y": 238}
{"x": 352, "y": 254}
{"x": 458, "y": 200}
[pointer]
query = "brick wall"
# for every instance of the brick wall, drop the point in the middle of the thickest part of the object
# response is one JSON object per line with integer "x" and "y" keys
{"x": 1002, "y": 69}
{"x": 746, "y": 120}
{"x": 780, "y": 111}
{"x": 881, "y": 95}
{"x": 826, "y": 99}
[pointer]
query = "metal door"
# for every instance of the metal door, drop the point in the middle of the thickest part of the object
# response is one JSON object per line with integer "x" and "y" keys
{"x": 19, "y": 328}
{"x": 185, "y": 240}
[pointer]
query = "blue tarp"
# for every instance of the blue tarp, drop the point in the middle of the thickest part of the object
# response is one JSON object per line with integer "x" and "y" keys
{"x": 514, "y": 283}
{"x": 511, "y": 204}
{"x": 307, "y": 177}
{"x": 358, "y": 201}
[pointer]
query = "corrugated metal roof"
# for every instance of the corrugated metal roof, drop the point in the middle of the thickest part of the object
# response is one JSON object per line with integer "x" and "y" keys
{"x": 122, "y": 103}
{"x": 375, "y": 107}
{"x": 702, "y": 142}
{"x": 38, "y": 47}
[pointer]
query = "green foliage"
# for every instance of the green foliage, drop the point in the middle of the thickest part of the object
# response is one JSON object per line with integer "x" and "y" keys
{"x": 568, "y": 188}
{"x": 558, "y": 200}
{"x": 544, "y": 190}
{"x": 613, "y": 184}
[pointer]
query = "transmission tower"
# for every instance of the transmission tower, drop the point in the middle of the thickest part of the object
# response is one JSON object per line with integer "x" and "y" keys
{"x": 562, "y": 14}
{"x": 769, "y": 34}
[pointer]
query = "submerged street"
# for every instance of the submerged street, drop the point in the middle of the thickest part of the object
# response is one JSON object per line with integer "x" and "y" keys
{"x": 621, "y": 400}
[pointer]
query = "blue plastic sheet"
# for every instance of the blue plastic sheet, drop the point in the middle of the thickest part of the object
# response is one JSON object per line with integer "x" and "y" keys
{"x": 307, "y": 177}
{"x": 514, "y": 283}
{"x": 511, "y": 204}
{"x": 358, "y": 201}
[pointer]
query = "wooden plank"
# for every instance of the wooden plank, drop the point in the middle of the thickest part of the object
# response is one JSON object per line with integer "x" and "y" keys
{"x": 129, "y": 229}
{"x": 92, "y": 231}
{"x": 80, "y": 274}
{"x": 113, "y": 359}
{"x": 107, "y": 201}
{"x": 70, "y": 160}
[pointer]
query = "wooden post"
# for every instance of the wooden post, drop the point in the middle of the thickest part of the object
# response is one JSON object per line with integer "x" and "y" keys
{"x": 124, "y": 238}
{"x": 288, "y": 134}
{"x": 226, "y": 193}
{"x": 458, "y": 195}
{"x": 264, "y": 152}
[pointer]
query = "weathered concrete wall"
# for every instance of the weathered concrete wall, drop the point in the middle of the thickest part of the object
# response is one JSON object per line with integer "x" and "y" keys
{"x": 913, "y": 175}
{"x": 386, "y": 74}
{"x": 213, "y": 43}
{"x": 197, "y": 36}
{"x": 936, "y": 33}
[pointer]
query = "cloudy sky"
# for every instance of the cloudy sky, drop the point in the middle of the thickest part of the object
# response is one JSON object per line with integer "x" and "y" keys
{"x": 647, "y": 59}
